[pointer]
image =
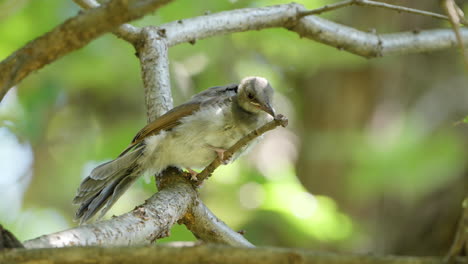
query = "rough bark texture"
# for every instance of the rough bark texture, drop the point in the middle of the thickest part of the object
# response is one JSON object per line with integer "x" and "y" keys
{"x": 209, "y": 228}
{"x": 154, "y": 62}
{"x": 199, "y": 254}
{"x": 142, "y": 226}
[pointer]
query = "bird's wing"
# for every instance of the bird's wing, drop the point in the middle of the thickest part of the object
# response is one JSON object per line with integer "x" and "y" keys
{"x": 164, "y": 122}
{"x": 172, "y": 118}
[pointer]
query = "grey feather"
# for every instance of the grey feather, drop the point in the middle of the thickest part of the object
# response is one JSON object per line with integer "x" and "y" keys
{"x": 119, "y": 190}
{"x": 101, "y": 185}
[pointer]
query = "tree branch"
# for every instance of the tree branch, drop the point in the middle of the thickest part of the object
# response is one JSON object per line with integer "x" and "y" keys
{"x": 324, "y": 31}
{"x": 143, "y": 225}
{"x": 455, "y": 15}
{"x": 126, "y": 31}
{"x": 73, "y": 34}
{"x": 201, "y": 254}
{"x": 207, "y": 227}
{"x": 154, "y": 62}
{"x": 78, "y": 31}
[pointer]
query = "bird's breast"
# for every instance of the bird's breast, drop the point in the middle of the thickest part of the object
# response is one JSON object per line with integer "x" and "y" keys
{"x": 188, "y": 144}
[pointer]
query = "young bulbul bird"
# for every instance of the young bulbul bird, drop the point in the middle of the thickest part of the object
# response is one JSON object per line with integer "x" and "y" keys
{"x": 189, "y": 136}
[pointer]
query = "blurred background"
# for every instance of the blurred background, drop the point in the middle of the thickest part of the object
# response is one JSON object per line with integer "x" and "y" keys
{"x": 374, "y": 158}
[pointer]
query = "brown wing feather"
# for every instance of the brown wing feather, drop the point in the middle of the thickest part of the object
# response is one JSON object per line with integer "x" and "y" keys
{"x": 164, "y": 122}
{"x": 172, "y": 118}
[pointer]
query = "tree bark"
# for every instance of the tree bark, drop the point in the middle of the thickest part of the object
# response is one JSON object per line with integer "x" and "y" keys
{"x": 200, "y": 254}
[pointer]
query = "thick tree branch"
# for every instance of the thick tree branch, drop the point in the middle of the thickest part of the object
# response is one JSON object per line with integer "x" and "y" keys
{"x": 200, "y": 254}
{"x": 143, "y": 225}
{"x": 330, "y": 33}
{"x": 371, "y": 45}
{"x": 207, "y": 227}
{"x": 73, "y": 34}
{"x": 125, "y": 31}
{"x": 154, "y": 62}
{"x": 78, "y": 31}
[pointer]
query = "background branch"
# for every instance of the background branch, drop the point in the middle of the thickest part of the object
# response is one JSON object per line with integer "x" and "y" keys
{"x": 124, "y": 31}
{"x": 73, "y": 34}
{"x": 455, "y": 15}
{"x": 358, "y": 42}
{"x": 200, "y": 254}
{"x": 79, "y": 30}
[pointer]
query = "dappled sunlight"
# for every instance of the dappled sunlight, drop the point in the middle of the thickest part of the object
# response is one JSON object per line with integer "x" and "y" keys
{"x": 317, "y": 216}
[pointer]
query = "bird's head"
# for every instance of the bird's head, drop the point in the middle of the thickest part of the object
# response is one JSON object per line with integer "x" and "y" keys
{"x": 256, "y": 95}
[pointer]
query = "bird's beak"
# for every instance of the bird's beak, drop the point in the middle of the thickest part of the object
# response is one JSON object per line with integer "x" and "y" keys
{"x": 269, "y": 109}
{"x": 265, "y": 107}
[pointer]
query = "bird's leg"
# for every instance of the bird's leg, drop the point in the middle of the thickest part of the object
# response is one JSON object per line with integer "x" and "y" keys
{"x": 219, "y": 152}
{"x": 193, "y": 174}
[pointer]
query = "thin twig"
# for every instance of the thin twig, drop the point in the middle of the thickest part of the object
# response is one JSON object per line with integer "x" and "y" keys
{"x": 373, "y": 4}
{"x": 455, "y": 17}
{"x": 279, "y": 120}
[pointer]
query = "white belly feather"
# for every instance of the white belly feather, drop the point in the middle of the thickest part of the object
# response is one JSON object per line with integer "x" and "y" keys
{"x": 186, "y": 145}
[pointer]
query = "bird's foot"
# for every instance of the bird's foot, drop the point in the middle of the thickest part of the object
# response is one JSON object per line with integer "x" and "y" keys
{"x": 220, "y": 152}
{"x": 193, "y": 174}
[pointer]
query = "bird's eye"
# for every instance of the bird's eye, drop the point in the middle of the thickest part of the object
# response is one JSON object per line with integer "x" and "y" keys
{"x": 250, "y": 96}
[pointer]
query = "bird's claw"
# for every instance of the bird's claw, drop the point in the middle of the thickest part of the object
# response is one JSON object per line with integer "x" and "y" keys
{"x": 193, "y": 174}
{"x": 220, "y": 152}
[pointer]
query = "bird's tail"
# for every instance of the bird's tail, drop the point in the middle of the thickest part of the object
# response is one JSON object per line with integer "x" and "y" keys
{"x": 106, "y": 183}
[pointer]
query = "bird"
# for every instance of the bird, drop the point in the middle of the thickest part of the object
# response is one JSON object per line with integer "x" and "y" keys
{"x": 189, "y": 136}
